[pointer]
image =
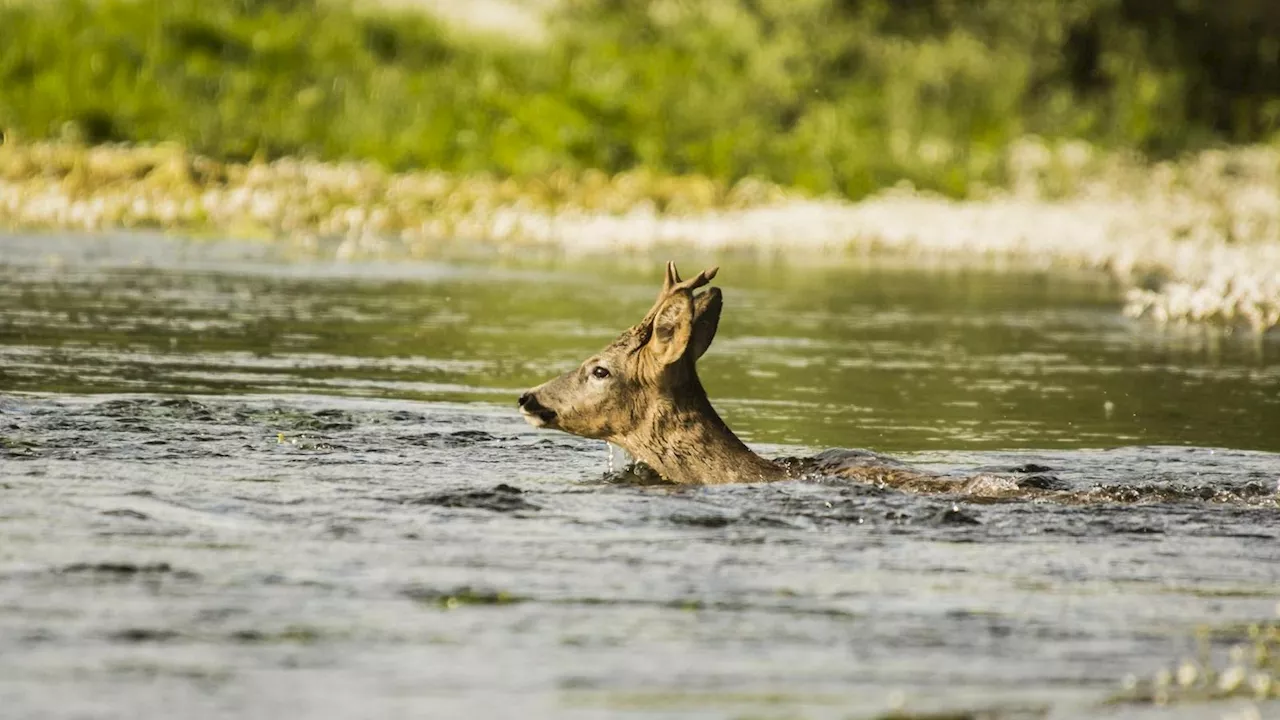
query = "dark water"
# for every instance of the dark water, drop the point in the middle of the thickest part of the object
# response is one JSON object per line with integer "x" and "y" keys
{"x": 237, "y": 487}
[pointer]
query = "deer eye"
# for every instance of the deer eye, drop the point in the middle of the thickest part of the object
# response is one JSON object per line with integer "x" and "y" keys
{"x": 600, "y": 372}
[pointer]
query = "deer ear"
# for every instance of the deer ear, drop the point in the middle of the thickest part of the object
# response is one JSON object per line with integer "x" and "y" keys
{"x": 672, "y": 328}
{"x": 706, "y": 318}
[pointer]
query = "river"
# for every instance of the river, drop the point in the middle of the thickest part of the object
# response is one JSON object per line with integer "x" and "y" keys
{"x": 239, "y": 484}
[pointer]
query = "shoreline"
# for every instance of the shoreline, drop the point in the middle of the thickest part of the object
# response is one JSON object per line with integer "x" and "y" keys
{"x": 1196, "y": 240}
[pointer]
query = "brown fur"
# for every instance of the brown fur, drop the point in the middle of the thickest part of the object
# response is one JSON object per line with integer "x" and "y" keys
{"x": 651, "y": 403}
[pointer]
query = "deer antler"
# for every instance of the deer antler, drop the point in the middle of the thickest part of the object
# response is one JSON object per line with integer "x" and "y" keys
{"x": 674, "y": 284}
{"x": 671, "y": 285}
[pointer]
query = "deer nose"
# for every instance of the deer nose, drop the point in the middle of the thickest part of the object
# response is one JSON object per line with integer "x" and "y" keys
{"x": 535, "y": 412}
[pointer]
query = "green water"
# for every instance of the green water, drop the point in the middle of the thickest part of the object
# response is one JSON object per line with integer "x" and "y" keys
{"x": 844, "y": 355}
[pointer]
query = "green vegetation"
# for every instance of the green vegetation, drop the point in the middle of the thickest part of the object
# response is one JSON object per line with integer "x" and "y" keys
{"x": 823, "y": 95}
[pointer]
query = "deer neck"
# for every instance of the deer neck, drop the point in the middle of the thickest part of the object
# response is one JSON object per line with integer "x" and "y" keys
{"x": 687, "y": 442}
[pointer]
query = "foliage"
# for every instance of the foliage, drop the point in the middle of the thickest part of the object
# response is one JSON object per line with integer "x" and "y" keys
{"x": 826, "y": 95}
{"x": 244, "y": 77}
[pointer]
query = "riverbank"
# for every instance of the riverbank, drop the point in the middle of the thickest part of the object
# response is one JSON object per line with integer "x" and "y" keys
{"x": 1191, "y": 241}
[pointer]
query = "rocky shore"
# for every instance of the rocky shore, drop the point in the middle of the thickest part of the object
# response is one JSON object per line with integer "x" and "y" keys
{"x": 1196, "y": 240}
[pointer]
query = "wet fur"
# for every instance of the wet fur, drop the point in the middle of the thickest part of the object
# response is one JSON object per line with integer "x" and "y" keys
{"x": 653, "y": 404}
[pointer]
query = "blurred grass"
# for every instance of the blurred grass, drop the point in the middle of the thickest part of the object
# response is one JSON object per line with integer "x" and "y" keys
{"x": 843, "y": 96}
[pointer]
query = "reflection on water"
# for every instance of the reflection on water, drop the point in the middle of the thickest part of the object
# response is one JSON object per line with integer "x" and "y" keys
{"x": 891, "y": 358}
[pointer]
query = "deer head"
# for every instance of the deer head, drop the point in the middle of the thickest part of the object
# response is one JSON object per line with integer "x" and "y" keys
{"x": 642, "y": 393}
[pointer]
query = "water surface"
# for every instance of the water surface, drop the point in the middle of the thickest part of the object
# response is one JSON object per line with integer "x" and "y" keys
{"x": 240, "y": 485}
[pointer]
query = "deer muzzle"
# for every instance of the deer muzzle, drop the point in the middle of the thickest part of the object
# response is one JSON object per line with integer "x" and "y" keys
{"x": 534, "y": 412}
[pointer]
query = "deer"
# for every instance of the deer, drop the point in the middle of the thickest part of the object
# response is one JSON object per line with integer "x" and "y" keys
{"x": 642, "y": 393}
